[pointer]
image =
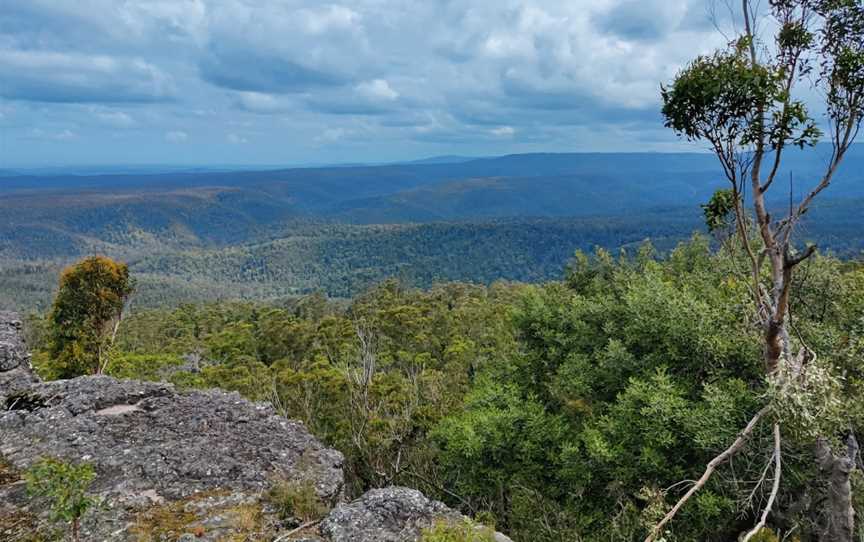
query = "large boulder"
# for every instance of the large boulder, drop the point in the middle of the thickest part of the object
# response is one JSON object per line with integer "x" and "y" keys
{"x": 152, "y": 445}
{"x": 149, "y": 438}
{"x": 393, "y": 514}
{"x": 200, "y": 459}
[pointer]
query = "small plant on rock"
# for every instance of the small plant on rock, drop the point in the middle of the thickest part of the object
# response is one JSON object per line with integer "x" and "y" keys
{"x": 457, "y": 531}
{"x": 64, "y": 486}
{"x": 297, "y": 500}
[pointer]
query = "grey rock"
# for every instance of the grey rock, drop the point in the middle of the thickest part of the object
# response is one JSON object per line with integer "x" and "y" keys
{"x": 13, "y": 353}
{"x": 149, "y": 437}
{"x": 14, "y": 381}
{"x": 394, "y": 514}
{"x": 15, "y": 371}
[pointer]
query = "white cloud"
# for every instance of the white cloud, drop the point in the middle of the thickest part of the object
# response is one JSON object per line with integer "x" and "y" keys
{"x": 60, "y": 135}
{"x": 236, "y": 139}
{"x": 259, "y": 102}
{"x": 176, "y": 136}
{"x": 65, "y": 135}
{"x": 116, "y": 119}
{"x": 320, "y": 20}
{"x": 48, "y": 76}
{"x": 333, "y": 135}
{"x": 503, "y": 131}
{"x": 479, "y": 72}
{"x": 377, "y": 89}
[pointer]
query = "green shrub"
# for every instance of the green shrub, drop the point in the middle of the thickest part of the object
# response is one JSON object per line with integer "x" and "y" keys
{"x": 64, "y": 486}
{"x": 765, "y": 535}
{"x": 85, "y": 315}
{"x": 153, "y": 367}
{"x": 296, "y": 500}
{"x": 461, "y": 531}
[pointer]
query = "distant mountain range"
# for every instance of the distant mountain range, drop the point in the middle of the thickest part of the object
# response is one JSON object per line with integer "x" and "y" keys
{"x": 168, "y": 216}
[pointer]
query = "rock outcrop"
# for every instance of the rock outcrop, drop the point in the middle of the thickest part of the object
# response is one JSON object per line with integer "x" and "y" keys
{"x": 179, "y": 465}
{"x": 393, "y": 514}
{"x": 15, "y": 371}
{"x": 151, "y": 445}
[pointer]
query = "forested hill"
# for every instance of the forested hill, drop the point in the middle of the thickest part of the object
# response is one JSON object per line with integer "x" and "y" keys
{"x": 216, "y": 234}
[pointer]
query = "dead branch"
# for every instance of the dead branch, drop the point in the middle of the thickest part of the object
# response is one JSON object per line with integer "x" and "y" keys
{"x": 774, "y": 489}
{"x": 709, "y": 470}
{"x": 298, "y": 529}
{"x": 748, "y": 502}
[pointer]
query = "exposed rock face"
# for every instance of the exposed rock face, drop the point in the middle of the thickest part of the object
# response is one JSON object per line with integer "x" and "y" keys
{"x": 151, "y": 444}
{"x": 13, "y": 353}
{"x": 394, "y": 514}
{"x": 15, "y": 370}
{"x": 837, "y": 521}
{"x": 175, "y": 465}
{"x": 148, "y": 437}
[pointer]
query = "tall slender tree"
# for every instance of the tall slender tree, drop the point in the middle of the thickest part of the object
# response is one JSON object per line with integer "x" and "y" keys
{"x": 744, "y": 102}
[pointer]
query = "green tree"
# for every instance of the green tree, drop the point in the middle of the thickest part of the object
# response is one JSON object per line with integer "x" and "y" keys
{"x": 86, "y": 314}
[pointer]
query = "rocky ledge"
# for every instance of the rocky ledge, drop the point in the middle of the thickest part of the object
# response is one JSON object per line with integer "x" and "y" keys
{"x": 180, "y": 465}
{"x": 393, "y": 514}
{"x": 15, "y": 372}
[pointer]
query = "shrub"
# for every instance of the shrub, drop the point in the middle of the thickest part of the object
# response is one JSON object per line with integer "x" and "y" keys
{"x": 64, "y": 486}
{"x": 298, "y": 500}
{"x": 765, "y": 535}
{"x": 459, "y": 531}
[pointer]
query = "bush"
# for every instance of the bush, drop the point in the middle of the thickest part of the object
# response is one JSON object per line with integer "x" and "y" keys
{"x": 297, "y": 500}
{"x": 65, "y": 486}
{"x": 462, "y": 531}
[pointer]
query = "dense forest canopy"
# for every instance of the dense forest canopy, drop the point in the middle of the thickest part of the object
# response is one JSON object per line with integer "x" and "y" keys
{"x": 567, "y": 410}
{"x": 270, "y": 234}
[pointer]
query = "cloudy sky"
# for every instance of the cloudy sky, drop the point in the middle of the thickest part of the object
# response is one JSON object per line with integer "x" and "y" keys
{"x": 306, "y": 81}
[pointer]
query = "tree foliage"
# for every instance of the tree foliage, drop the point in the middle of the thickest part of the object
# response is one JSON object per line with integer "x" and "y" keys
{"x": 742, "y": 101}
{"x": 564, "y": 411}
{"x": 85, "y": 315}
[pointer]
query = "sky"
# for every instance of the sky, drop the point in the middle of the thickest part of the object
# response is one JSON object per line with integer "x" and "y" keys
{"x": 309, "y": 82}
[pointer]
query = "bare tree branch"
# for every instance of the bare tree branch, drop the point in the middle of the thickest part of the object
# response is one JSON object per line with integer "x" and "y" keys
{"x": 778, "y": 469}
{"x": 709, "y": 470}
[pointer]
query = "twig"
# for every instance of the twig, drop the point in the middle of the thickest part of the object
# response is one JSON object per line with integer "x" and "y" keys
{"x": 759, "y": 482}
{"x": 709, "y": 470}
{"x": 676, "y": 484}
{"x": 774, "y": 490}
{"x": 439, "y": 488}
{"x": 15, "y": 402}
{"x": 297, "y": 530}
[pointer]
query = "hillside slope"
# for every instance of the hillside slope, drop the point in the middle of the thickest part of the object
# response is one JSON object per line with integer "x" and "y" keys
{"x": 266, "y": 234}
